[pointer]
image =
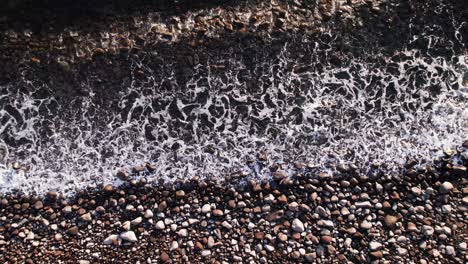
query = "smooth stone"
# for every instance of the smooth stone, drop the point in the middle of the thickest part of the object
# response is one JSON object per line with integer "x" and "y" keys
{"x": 450, "y": 251}
{"x": 148, "y": 213}
{"x": 297, "y": 225}
{"x": 110, "y": 239}
{"x": 365, "y": 204}
{"x": 427, "y": 230}
{"x": 445, "y": 187}
{"x": 129, "y": 236}
{"x": 206, "y": 208}
{"x": 390, "y": 220}
{"x": 160, "y": 225}
{"x": 373, "y": 246}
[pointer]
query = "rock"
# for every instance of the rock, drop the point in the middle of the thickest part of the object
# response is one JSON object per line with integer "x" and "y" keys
{"x": 269, "y": 248}
{"x": 416, "y": 191}
{"x": 446, "y": 208}
{"x": 67, "y": 209}
{"x": 206, "y": 208}
{"x": 366, "y": 225}
{"x": 390, "y": 220}
{"x": 38, "y": 205}
{"x": 137, "y": 220}
{"x": 259, "y": 235}
{"x": 282, "y": 237}
{"x": 365, "y": 204}
{"x": 73, "y": 230}
{"x": 129, "y": 236}
{"x": 297, "y": 226}
{"x": 111, "y": 240}
{"x": 174, "y": 245}
{"x": 148, "y": 213}
{"x": 226, "y": 225}
{"x": 373, "y": 246}
{"x": 283, "y": 199}
{"x": 326, "y": 239}
{"x": 205, "y": 253}
{"x": 123, "y": 175}
{"x": 211, "y": 242}
{"x": 280, "y": 174}
{"x": 465, "y": 200}
{"x": 126, "y": 225}
{"x": 52, "y": 195}
{"x": 445, "y": 187}
{"x": 100, "y": 209}
{"x": 109, "y": 188}
{"x": 183, "y": 232}
{"x": 344, "y": 211}
{"x": 30, "y": 236}
{"x": 450, "y": 251}
{"x": 326, "y": 223}
{"x": 377, "y": 254}
{"x": 402, "y": 251}
{"x": 180, "y": 193}
{"x": 321, "y": 211}
{"x": 164, "y": 257}
{"x": 310, "y": 257}
{"x": 160, "y": 225}
{"x": 217, "y": 212}
{"x": 427, "y": 230}
{"x": 86, "y": 217}
{"x": 462, "y": 246}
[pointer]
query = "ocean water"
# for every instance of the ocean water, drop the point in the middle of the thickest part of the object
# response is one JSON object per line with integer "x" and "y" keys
{"x": 319, "y": 99}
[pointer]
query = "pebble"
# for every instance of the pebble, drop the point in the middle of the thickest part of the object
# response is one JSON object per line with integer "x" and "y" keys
{"x": 377, "y": 254}
{"x": 226, "y": 225}
{"x": 211, "y": 242}
{"x": 164, "y": 257}
{"x": 366, "y": 225}
{"x": 427, "y": 230}
{"x": 321, "y": 211}
{"x": 174, "y": 245}
{"x": 450, "y": 251}
{"x": 180, "y": 194}
{"x": 365, "y": 204}
{"x": 217, "y": 212}
{"x": 148, "y": 213}
{"x": 129, "y": 236}
{"x": 206, "y": 208}
{"x": 38, "y": 205}
{"x": 269, "y": 248}
{"x": 110, "y": 240}
{"x": 126, "y": 225}
{"x": 465, "y": 200}
{"x": 160, "y": 225}
{"x": 73, "y": 230}
{"x": 390, "y": 220}
{"x": 462, "y": 246}
{"x": 137, "y": 221}
{"x": 297, "y": 225}
{"x": 445, "y": 187}
{"x": 375, "y": 246}
{"x": 183, "y": 232}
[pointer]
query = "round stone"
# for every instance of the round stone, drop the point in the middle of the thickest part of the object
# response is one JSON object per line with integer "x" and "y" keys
{"x": 297, "y": 225}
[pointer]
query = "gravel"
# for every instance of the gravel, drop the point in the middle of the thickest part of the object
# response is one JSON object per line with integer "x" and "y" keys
{"x": 299, "y": 215}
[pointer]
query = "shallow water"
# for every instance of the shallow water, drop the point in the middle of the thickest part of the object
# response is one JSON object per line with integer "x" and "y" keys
{"x": 295, "y": 98}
